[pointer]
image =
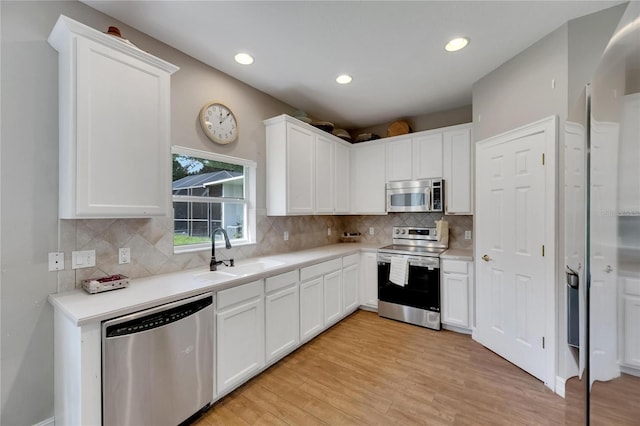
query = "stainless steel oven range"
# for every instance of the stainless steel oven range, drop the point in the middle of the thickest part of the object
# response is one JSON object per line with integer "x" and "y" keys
{"x": 415, "y": 252}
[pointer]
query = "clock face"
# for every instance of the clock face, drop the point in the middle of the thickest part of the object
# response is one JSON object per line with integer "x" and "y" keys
{"x": 219, "y": 123}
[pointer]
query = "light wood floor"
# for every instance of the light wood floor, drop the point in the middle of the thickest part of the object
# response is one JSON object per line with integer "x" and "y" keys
{"x": 374, "y": 371}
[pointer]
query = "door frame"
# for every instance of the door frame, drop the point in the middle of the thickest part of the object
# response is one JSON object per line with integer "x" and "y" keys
{"x": 549, "y": 127}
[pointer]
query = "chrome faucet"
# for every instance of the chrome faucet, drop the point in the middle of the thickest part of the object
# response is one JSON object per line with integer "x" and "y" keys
{"x": 213, "y": 265}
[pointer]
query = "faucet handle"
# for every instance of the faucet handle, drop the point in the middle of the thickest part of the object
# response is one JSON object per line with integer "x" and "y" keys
{"x": 231, "y": 263}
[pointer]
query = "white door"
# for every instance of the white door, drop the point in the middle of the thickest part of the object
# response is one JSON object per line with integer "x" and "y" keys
{"x": 350, "y": 288}
{"x": 341, "y": 178}
{"x": 300, "y": 170}
{"x": 511, "y": 227}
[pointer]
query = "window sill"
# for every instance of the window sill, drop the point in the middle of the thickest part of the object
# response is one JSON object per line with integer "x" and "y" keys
{"x": 194, "y": 248}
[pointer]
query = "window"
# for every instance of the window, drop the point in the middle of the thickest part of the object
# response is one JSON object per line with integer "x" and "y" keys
{"x": 211, "y": 191}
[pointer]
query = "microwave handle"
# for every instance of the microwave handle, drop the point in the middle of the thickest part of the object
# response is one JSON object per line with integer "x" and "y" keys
{"x": 428, "y": 195}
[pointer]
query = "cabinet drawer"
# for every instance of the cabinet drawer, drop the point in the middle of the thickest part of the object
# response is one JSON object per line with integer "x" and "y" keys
{"x": 280, "y": 281}
{"x": 352, "y": 259}
{"x": 320, "y": 269}
{"x": 455, "y": 266}
{"x": 239, "y": 294}
{"x": 631, "y": 286}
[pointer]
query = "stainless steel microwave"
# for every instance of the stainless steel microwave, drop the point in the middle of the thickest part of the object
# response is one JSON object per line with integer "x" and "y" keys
{"x": 424, "y": 195}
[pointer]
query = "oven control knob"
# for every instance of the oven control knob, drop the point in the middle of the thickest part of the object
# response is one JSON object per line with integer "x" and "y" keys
{"x": 404, "y": 231}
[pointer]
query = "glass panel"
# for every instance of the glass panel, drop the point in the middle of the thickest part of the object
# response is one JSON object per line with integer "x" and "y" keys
{"x": 408, "y": 199}
{"x": 614, "y": 230}
{"x": 201, "y": 177}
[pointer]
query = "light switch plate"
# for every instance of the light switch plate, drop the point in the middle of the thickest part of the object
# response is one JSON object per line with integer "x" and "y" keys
{"x": 467, "y": 235}
{"x": 286, "y": 235}
{"x": 56, "y": 261}
{"x": 83, "y": 259}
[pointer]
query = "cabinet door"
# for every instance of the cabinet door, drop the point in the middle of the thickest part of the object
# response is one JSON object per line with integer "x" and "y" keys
{"x": 350, "y": 288}
{"x": 300, "y": 170}
{"x": 332, "y": 297}
{"x": 427, "y": 156}
{"x": 455, "y": 299}
{"x": 368, "y": 179}
{"x": 281, "y": 322}
{"x": 311, "y": 308}
{"x": 324, "y": 175}
{"x": 121, "y": 153}
{"x": 341, "y": 179}
{"x": 399, "y": 159}
{"x": 369, "y": 281}
{"x": 240, "y": 344}
{"x": 457, "y": 172}
{"x": 631, "y": 340}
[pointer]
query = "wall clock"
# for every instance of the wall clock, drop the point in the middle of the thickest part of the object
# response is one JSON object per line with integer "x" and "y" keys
{"x": 218, "y": 123}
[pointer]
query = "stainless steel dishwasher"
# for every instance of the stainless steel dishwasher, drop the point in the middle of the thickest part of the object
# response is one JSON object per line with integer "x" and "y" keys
{"x": 157, "y": 365}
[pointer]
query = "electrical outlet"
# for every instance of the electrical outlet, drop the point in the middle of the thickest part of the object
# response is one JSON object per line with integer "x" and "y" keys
{"x": 286, "y": 235}
{"x": 83, "y": 259}
{"x": 372, "y": 231}
{"x": 124, "y": 255}
{"x": 467, "y": 235}
{"x": 328, "y": 232}
{"x": 56, "y": 261}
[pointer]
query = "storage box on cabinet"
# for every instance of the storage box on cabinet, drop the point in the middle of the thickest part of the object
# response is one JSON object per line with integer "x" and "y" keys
{"x": 282, "y": 307}
{"x": 240, "y": 335}
{"x": 114, "y": 150}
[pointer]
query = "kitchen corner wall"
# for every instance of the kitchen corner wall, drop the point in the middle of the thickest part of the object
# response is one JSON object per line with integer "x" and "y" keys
{"x": 151, "y": 241}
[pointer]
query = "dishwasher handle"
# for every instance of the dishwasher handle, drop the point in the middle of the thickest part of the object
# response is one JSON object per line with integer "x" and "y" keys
{"x": 159, "y": 316}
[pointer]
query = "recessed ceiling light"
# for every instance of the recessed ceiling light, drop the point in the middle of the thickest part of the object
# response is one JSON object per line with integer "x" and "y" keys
{"x": 344, "y": 79}
{"x": 244, "y": 58}
{"x": 456, "y": 44}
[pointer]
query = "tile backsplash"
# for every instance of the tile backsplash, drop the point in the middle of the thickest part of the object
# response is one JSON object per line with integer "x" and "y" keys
{"x": 151, "y": 241}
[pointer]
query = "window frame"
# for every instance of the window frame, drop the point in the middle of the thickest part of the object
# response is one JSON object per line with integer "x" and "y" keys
{"x": 249, "y": 200}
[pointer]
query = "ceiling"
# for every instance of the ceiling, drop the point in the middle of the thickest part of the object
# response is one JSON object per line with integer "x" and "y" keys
{"x": 394, "y": 49}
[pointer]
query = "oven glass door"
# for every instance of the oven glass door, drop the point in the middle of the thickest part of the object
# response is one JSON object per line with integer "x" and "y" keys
{"x": 422, "y": 290}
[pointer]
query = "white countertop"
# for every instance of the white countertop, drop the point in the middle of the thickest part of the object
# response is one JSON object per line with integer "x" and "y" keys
{"x": 83, "y": 308}
{"x": 458, "y": 254}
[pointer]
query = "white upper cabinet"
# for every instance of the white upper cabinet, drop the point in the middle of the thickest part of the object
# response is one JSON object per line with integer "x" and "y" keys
{"x": 368, "y": 178}
{"x": 418, "y": 156}
{"x": 427, "y": 155}
{"x": 114, "y": 102}
{"x": 324, "y": 165}
{"x": 457, "y": 170}
{"x": 399, "y": 159}
{"x": 341, "y": 178}
{"x": 300, "y": 168}
{"x": 303, "y": 169}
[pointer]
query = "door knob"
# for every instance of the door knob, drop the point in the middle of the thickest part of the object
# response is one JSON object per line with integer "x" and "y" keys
{"x": 608, "y": 269}
{"x": 486, "y": 258}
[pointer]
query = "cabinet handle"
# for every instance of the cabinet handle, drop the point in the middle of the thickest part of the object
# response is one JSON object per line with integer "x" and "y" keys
{"x": 486, "y": 258}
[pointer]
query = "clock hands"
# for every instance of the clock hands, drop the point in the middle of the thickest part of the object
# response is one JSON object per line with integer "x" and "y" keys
{"x": 225, "y": 117}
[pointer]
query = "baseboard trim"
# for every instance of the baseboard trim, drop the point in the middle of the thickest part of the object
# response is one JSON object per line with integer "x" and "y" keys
{"x": 47, "y": 422}
{"x": 560, "y": 386}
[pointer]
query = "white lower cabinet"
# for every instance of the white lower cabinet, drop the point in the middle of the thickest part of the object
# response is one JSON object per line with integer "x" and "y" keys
{"x": 631, "y": 318}
{"x": 311, "y": 308}
{"x": 240, "y": 335}
{"x": 350, "y": 278}
{"x": 282, "y": 307}
{"x": 332, "y": 297}
{"x": 456, "y": 284}
{"x": 369, "y": 280}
